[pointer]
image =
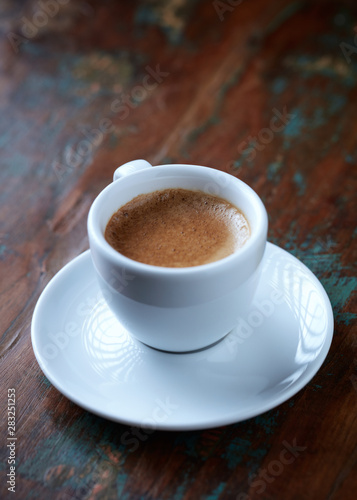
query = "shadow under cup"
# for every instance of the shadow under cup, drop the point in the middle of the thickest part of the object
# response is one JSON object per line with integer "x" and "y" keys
{"x": 178, "y": 309}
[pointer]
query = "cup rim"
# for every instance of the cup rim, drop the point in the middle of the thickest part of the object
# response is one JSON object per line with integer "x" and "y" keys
{"x": 149, "y": 269}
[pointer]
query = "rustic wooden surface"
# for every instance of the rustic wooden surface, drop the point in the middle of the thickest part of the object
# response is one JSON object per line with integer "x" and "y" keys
{"x": 226, "y": 67}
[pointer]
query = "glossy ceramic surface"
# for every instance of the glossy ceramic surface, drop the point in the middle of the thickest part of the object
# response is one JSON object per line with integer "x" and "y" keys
{"x": 277, "y": 347}
{"x": 177, "y": 309}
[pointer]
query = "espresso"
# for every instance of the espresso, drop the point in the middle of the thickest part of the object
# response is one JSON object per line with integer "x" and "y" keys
{"x": 177, "y": 228}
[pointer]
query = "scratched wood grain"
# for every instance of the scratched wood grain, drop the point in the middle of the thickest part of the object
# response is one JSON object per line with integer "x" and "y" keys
{"x": 97, "y": 84}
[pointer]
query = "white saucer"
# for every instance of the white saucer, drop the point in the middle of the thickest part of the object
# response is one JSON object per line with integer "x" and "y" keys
{"x": 276, "y": 349}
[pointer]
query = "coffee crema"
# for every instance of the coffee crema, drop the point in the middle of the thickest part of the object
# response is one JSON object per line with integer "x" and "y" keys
{"x": 177, "y": 228}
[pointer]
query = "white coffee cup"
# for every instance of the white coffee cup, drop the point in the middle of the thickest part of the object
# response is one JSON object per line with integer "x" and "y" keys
{"x": 177, "y": 309}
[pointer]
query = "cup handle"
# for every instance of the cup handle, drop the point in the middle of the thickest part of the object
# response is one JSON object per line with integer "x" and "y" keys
{"x": 130, "y": 168}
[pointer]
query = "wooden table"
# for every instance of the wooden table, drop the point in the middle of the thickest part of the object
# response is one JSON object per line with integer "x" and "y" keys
{"x": 87, "y": 86}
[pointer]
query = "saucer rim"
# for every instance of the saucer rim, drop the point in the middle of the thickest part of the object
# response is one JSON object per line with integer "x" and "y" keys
{"x": 308, "y": 374}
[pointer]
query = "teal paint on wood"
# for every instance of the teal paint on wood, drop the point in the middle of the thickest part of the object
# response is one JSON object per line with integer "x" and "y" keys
{"x": 3, "y": 249}
{"x": 279, "y": 85}
{"x": 216, "y": 493}
{"x": 336, "y": 103}
{"x": 273, "y": 171}
{"x": 300, "y": 183}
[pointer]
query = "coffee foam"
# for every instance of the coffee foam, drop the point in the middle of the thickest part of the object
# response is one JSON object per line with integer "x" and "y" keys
{"x": 177, "y": 228}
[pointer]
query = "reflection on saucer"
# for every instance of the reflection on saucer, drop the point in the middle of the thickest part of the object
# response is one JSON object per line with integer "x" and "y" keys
{"x": 274, "y": 351}
{"x": 110, "y": 348}
{"x": 304, "y": 300}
